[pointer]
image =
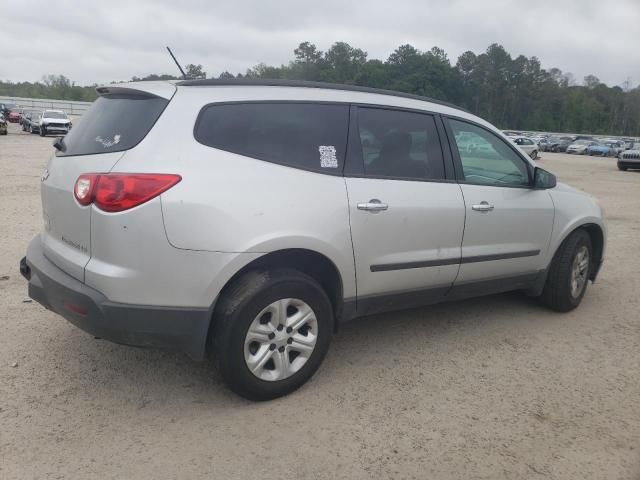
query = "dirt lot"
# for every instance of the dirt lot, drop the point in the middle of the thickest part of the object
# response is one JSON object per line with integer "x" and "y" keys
{"x": 490, "y": 388}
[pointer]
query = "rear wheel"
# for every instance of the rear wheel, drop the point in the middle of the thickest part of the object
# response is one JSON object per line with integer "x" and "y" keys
{"x": 271, "y": 332}
{"x": 569, "y": 273}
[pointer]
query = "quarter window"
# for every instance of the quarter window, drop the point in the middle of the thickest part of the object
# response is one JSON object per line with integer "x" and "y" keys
{"x": 486, "y": 158}
{"x": 399, "y": 144}
{"x": 311, "y": 136}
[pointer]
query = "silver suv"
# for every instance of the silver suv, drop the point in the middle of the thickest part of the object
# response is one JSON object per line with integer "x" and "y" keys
{"x": 248, "y": 219}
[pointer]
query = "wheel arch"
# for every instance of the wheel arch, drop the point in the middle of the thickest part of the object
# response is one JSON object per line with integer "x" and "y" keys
{"x": 597, "y": 244}
{"x": 317, "y": 265}
{"x": 597, "y": 236}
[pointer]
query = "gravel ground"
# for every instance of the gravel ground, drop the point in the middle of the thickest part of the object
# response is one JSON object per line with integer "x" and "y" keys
{"x": 493, "y": 388}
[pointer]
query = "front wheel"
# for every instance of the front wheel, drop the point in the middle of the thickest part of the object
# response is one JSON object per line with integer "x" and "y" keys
{"x": 534, "y": 155}
{"x": 569, "y": 273}
{"x": 620, "y": 167}
{"x": 271, "y": 332}
{"x": 43, "y": 131}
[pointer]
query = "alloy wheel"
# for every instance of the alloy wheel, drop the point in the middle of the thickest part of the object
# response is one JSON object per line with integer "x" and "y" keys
{"x": 579, "y": 271}
{"x": 280, "y": 339}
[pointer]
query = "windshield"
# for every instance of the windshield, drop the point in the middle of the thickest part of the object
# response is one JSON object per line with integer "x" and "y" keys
{"x": 50, "y": 114}
{"x": 582, "y": 142}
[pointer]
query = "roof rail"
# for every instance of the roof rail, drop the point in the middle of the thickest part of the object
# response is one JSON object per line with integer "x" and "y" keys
{"x": 264, "y": 82}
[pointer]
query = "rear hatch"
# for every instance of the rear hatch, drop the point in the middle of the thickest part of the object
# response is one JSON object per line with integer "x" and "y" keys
{"x": 117, "y": 121}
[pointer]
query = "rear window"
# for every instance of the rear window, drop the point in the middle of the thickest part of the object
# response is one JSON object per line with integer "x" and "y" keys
{"x": 113, "y": 123}
{"x": 311, "y": 136}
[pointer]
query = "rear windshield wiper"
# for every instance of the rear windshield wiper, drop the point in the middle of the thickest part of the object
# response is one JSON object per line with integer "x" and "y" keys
{"x": 59, "y": 144}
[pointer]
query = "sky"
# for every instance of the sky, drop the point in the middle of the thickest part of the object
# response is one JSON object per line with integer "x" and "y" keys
{"x": 92, "y": 41}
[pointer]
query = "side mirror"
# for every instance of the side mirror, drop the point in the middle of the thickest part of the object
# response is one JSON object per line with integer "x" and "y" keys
{"x": 543, "y": 179}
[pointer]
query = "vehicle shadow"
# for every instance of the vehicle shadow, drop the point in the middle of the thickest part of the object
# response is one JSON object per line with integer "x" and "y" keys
{"x": 151, "y": 377}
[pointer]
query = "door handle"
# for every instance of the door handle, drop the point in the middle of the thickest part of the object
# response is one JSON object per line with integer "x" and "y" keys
{"x": 482, "y": 207}
{"x": 374, "y": 205}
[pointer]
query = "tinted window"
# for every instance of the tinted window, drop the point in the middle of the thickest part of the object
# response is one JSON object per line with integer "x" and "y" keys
{"x": 113, "y": 123}
{"x": 399, "y": 144}
{"x": 312, "y": 136}
{"x": 486, "y": 158}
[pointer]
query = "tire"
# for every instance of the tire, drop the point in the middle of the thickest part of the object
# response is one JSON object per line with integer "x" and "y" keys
{"x": 243, "y": 306}
{"x": 620, "y": 167}
{"x": 558, "y": 293}
{"x": 43, "y": 131}
{"x": 534, "y": 155}
{"x": 31, "y": 129}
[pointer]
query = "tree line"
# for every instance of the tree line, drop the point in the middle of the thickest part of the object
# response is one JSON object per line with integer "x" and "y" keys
{"x": 510, "y": 92}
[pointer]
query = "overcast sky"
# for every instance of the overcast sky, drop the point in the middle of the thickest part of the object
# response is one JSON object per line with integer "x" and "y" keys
{"x": 99, "y": 41}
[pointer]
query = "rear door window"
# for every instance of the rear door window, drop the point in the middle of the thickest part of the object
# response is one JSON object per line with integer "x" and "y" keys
{"x": 113, "y": 123}
{"x": 399, "y": 144}
{"x": 310, "y": 136}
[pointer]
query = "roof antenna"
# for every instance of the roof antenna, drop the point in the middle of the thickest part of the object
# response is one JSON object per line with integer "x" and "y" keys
{"x": 184, "y": 75}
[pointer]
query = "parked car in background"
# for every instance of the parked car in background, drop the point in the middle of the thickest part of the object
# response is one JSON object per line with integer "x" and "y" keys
{"x": 14, "y": 115}
{"x": 5, "y": 109}
{"x": 602, "y": 149}
{"x": 544, "y": 144}
{"x": 31, "y": 122}
{"x": 558, "y": 144}
{"x": 54, "y": 122}
{"x": 630, "y": 159}
{"x": 24, "y": 112}
{"x": 538, "y": 139}
{"x": 617, "y": 147}
{"x": 580, "y": 146}
{"x": 3, "y": 125}
{"x": 213, "y": 256}
{"x": 527, "y": 145}
{"x": 24, "y": 118}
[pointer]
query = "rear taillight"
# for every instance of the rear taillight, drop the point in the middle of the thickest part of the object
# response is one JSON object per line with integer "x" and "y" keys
{"x": 83, "y": 189}
{"x": 115, "y": 192}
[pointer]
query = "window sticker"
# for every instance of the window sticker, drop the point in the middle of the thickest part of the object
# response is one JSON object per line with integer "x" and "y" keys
{"x": 106, "y": 143}
{"x": 328, "y": 157}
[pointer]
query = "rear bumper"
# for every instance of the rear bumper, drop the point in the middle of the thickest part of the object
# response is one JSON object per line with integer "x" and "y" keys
{"x": 173, "y": 328}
